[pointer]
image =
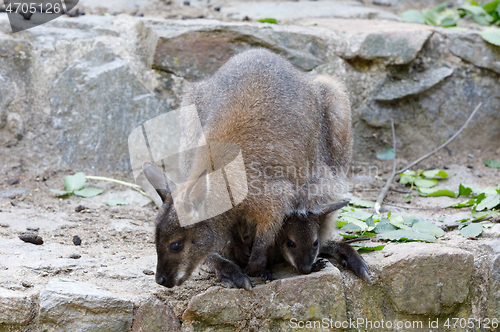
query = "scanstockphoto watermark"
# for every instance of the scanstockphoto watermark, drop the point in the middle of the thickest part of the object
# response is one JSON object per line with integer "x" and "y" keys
{"x": 25, "y": 15}
{"x": 356, "y": 324}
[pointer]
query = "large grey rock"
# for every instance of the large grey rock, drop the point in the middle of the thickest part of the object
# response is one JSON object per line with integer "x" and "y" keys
{"x": 75, "y": 306}
{"x": 269, "y": 307}
{"x": 413, "y": 85}
{"x": 16, "y": 308}
{"x": 423, "y": 278}
{"x": 197, "y": 50}
{"x": 472, "y": 48}
{"x": 301, "y": 9}
{"x": 154, "y": 316}
{"x": 494, "y": 287}
{"x": 97, "y": 102}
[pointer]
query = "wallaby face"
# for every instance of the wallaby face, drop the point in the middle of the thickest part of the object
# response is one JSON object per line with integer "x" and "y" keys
{"x": 179, "y": 249}
{"x": 299, "y": 242}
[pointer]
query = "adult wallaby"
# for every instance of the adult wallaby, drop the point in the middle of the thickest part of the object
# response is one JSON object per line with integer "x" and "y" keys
{"x": 294, "y": 132}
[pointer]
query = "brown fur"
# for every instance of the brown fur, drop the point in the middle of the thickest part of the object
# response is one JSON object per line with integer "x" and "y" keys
{"x": 278, "y": 117}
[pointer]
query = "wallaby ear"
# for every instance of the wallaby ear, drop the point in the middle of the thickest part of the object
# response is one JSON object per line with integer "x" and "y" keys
{"x": 334, "y": 207}
{"x": 157, "y": 179}
{"x": 196, "y": 194}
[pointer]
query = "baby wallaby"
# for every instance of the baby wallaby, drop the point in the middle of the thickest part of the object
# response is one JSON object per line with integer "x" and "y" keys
{"x": 294, "y": 133}
{"x": 300, "y": 242}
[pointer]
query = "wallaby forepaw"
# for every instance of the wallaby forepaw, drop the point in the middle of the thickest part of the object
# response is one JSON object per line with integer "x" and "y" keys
{"x": 357, "y": 265}
{"x": 319, "y": 265}
{"x": 242, "y": 281}
{"x": 256, "y": 265}
{"x": 267, "y": 274}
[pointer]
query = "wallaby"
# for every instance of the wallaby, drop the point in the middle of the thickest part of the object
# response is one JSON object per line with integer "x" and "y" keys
{"x": 281, "y": 119}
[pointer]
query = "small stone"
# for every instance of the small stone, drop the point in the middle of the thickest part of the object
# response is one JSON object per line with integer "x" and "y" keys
{"x": 75, "y": 256}
{"x": 80, "y": 208}
{"x": 27, "y": 284}
{"x": 186, "y": 17}
{"x": 217, "y": 9}
{"x": 31, "y": 238}
{"x": 76, "y": 240}
{"x": 200, "y": 16}
{"x": 446, "y": 167}
{"x": 4, "y": 225}
{"x": 470, "y": 155}
{"x": 148, "y": 272}
{"x": 186, "y": 3}
{"x": 14, "y": 202}
{"x": 246, "y": 18}
{"x": 32, "y": 229}
{"x": 470, "y": 166}
{"x": 13, "y": 181}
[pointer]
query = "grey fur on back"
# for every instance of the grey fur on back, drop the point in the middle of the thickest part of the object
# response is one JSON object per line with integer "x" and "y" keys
{"x": 279, "y": 117}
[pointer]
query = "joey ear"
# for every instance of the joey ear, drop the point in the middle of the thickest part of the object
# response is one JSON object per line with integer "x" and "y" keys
{"x": 334, "y": 207}
{"x": 157, "y": 179}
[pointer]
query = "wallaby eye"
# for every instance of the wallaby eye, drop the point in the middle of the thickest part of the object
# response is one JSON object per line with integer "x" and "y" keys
{"x": 316, "y": 243}
{"x": 176, "y": 246}
{"x": 290, "y": 244}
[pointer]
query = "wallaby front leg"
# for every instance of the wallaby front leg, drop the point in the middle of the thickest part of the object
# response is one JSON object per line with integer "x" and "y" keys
{"x": 348, "y": 257}
{"x": 258, "y": 258}
{"x": 225, "y": 270}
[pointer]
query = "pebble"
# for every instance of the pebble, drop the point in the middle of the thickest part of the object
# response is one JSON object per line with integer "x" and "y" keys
{"x": 217, "y": 9}
{"x": 27, "y": 284}
{"x": 31, "y": 238}
{"x": 148, "y": 272}
{"x": 75, "y": 256}
{"x": 32, "y": 229}
{"x": 186, "y": 3}
{"x": 13, "y": 181}
{"x": 76, "y": 240}
{"x": 80, "y": 208}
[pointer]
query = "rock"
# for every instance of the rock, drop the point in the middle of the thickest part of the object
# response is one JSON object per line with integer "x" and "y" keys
{"x": 494, "y": 287}
{"x": 16, "y": 308}
{"x": 13, "y": 181}
{"x": 413, "y": 85}
{"x": 12, "y": 193}
{"x": 21, "y": 219}
{"x": 301, "y": 9}
{"x": 76, "y": 240}
{"x": 423, "y": 278}
{"x": 77, "y": 99}
{"x": 32, "y": 238}
{"x": 472, "y": 48}
{"x": 154, "y": 316}
{"x": 76, "y": 306}
{"x": 196, "y": 50}
{"x": 80, "y": 208}
{"x": 75, "y": 256}
{"x": 269, "y": 306}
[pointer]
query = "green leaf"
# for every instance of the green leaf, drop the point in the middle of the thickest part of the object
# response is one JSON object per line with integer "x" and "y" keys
{"x": 424, "y": 183}
{"x": 384, "y": 228}
{"x": 361, "y": 203}
{"x": 464, "y": 191}
{"x": 268, "y": 20}
{"x": 351, "y": 228}
{"x": 364, "y": 247}
{"x": 407, "y": 177}
{"x": 358, "y": 214}
{"x": 74, "y": 182}
{"x": 113, "y": 202}
{"x": 441, "y": 7}
{"x": 412, "y": 16}
{"x": 388, "y": 154}
{"x": 370, "y": 222}
{"x": 435, "y": 174}
{"x": 428, "y": 227}
{"x": 483, "y": 19}
{"x": 491, "y": 6}
{"x": 489, "y": 202}
{"x": 399, "y": 223}
{"x": 449, "y": 21}
{"x": 349, "y": 236}
{"x": 484, "y": 214}
{"x": 492, "y": 162}
{"x": 461, "y": 204}
{"x": 431, "y": 17}
{"x": 407, "y": 235}
{"x": 429, "y": 192}
{"x": 61, "y": 192}
{"x": 472, "y": 230}
{"x": 339, "y": 223}
{"x": 88, "y": 192}
{"x": 473, "y": 10}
